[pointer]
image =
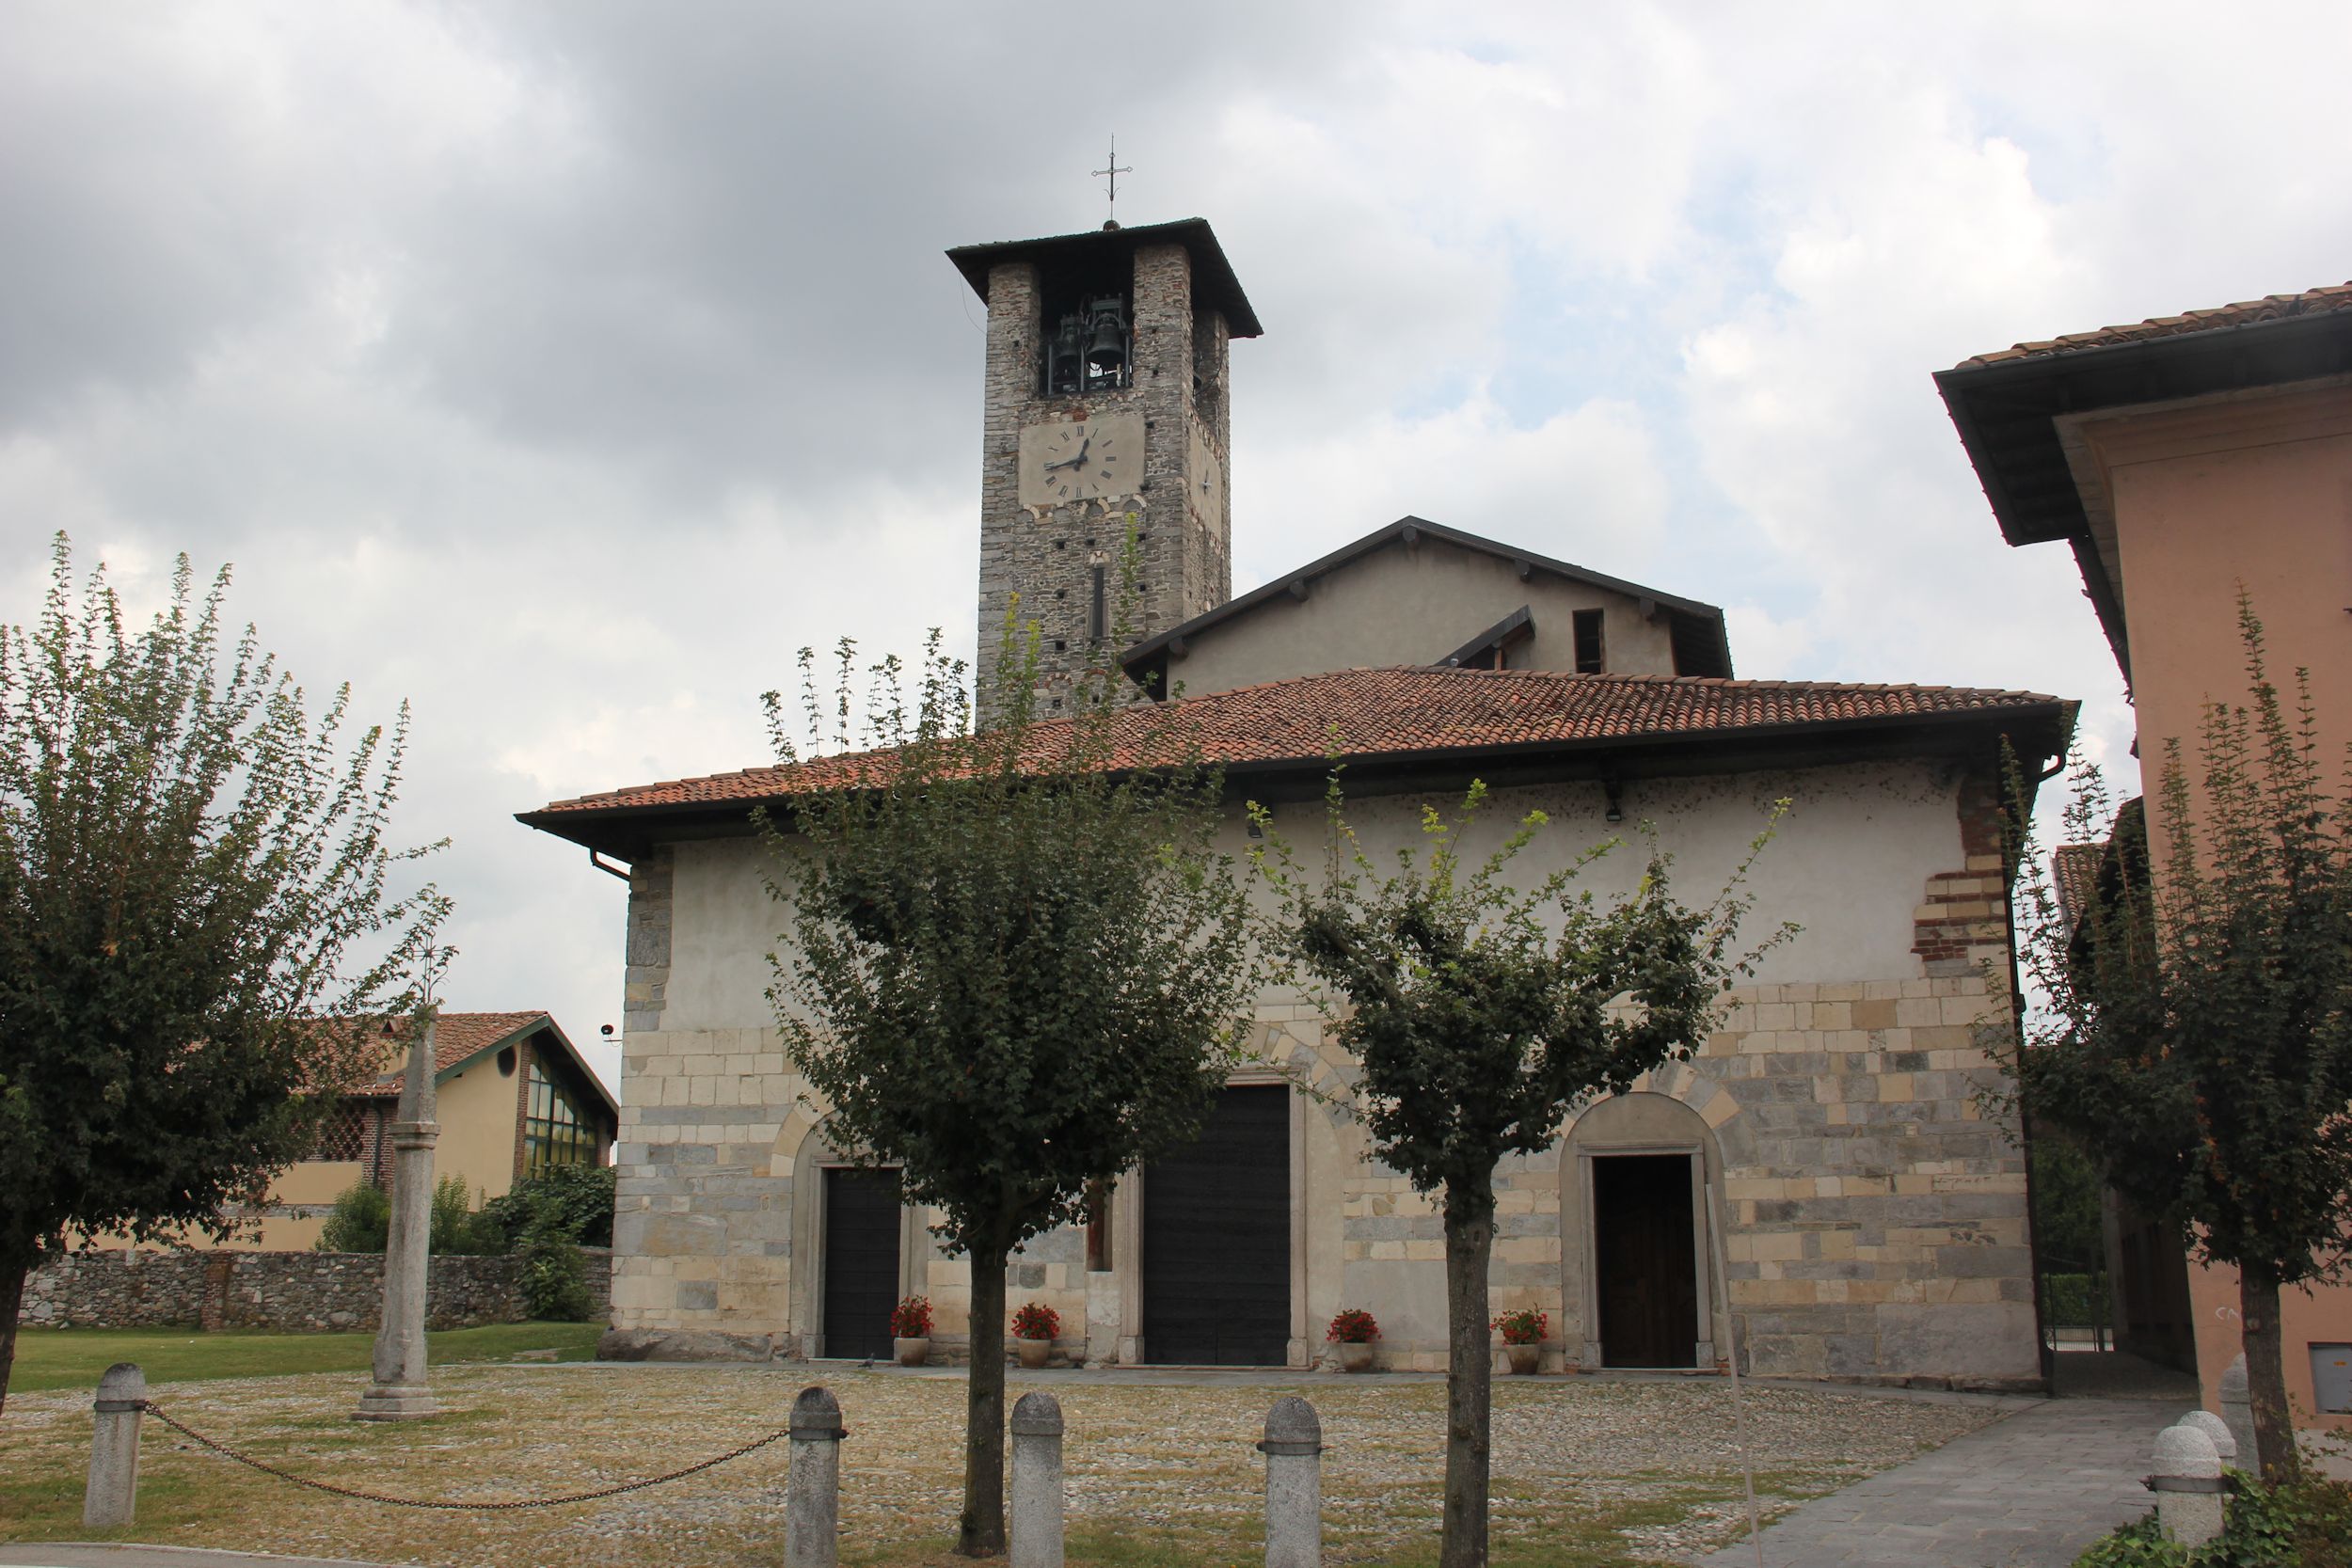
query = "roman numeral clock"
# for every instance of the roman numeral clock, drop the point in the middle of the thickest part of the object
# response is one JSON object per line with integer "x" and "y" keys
{"x": 1069, "y": 460}
{"x": 1105, "y": 396}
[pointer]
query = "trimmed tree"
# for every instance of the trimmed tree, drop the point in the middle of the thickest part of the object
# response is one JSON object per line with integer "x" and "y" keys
{"x": 194, "y": 923}
{"x": 1479, "y": 1015}
{"x": 2193, "y": 1028}
{"x": 1016, "y": 965}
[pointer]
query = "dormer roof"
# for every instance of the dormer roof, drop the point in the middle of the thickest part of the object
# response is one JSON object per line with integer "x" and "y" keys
{"x": 1700, "y": 644}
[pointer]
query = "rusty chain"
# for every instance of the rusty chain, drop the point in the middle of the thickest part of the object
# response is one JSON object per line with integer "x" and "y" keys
{"x": 151, "y": 1408}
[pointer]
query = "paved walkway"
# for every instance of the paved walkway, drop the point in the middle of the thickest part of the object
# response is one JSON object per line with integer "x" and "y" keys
{"x": 2028, "y": 1492}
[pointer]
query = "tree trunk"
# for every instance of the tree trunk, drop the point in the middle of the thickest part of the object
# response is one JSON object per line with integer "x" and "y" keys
{"x": 14, "y": 1271}
{"x": 2265, "y": 1375}
{"x": 1468, "y": 1387}
{"x": 981, "y": 1530}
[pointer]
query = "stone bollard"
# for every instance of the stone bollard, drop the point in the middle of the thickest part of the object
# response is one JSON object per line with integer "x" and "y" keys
{"x": 2187, "y": 1484}
{"x": 2237, "y": 1409}
{"x": 1037, "y": 1497}
{"x": 812, "y": 1485}
{"x": 112, "y": 1496}
{"x": 1294, "y": 1486}
{"x": 2216, "y": 1428}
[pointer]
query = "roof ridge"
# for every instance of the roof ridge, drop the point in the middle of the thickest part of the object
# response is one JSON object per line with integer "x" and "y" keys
{"x": 1623, "y": 676}
{"x": 1411, "y": 709}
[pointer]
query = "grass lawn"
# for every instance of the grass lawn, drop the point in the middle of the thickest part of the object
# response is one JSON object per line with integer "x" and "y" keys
{"x": 76, "y": 1357}
{"x": 1588, "y": 1474}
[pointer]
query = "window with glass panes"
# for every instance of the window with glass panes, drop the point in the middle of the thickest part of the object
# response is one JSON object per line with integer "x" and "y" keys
{"x": 556, "y": 1131}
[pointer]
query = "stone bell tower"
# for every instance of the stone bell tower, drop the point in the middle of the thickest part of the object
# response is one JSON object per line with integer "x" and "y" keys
{"x": 1105, "y": 408}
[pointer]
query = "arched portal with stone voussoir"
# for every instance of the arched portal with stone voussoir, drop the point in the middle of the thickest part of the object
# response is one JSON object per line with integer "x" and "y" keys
{"x": 856, "y": 1249}
{"x": 1638, "y": 1285}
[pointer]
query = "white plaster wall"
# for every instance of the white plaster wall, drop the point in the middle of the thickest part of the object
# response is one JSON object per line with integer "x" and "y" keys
{"x": 1849, "y": 864}
{"x": 724, "y": 925}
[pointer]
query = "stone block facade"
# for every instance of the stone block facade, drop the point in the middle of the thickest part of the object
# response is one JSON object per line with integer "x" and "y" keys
{"x": 1869, "y": 1182}
{"x": 1873, "y": 1208}
{"x": 287, "y": 1292}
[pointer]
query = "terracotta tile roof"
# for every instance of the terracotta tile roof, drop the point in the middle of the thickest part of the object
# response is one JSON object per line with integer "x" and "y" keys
{"x": 1372, "y": 713}
{"x": 2314, "y": 302}
{"x": 459, "y": 1036}
{"x": 2075, "y": 878}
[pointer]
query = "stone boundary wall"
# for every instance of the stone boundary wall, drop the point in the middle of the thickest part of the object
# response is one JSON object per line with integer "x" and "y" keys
{"x": 289, "y": 1291}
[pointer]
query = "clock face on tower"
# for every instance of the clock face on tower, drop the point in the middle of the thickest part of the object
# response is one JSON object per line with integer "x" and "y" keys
{"x": 1073, "y": 460}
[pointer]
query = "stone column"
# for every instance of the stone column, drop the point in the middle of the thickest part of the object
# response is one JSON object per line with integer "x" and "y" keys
{"x": 1294, "y": 1486}
{"x": 1037, "y": 1497}
{"x": 812, "y": 1485}
{"x": 2237, "y": 1411}
{"x": 1102, "y": 1313}
{"x": 2187, "y": 1484}
{"x": 399, "y": 1392}
{"x": 2214, "y": 1427}
{"x": 112, "y": 1494}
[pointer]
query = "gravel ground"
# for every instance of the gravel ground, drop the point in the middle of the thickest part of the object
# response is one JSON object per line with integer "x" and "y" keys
{"x": 1586, "y": 1471}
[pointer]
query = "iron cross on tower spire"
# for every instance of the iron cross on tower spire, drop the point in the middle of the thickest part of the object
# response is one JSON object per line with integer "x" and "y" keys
{"x": 1114, "y": 172}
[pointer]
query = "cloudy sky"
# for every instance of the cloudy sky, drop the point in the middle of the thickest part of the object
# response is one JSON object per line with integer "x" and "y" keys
{"x": 563, "y": 367}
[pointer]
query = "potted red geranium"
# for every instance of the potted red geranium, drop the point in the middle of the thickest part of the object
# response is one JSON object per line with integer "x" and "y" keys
{"x": 1351, "y": 1333}
{"x": 1034, "y": 1326}
{"x": 1523, "y": 1339}
{"x": 911, "y": 1330}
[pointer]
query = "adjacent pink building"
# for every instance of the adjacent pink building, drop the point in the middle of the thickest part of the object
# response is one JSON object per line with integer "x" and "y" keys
{"x": 2179, "y": 459}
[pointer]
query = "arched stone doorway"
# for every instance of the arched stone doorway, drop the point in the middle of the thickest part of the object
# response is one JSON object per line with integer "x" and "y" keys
{"x": 1638, "y": 1286}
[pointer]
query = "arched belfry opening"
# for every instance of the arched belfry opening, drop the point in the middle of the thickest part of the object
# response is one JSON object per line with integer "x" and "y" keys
{"x": 1640, "y": 1286}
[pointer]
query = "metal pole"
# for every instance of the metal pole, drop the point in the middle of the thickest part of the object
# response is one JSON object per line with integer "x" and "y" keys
{"x": 1739, "y": 1405}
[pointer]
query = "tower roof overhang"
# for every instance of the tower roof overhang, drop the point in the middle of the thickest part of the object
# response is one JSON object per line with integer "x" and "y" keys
{"x": 1213, "y": 281}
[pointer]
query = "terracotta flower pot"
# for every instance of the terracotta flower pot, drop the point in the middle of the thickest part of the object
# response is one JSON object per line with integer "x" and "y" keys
{"x": 1524, "y": 1360}
{"x": 1355, "y": 1356}
{"x": 911, "y": 1353}
{"x": 1034, "y": 1353}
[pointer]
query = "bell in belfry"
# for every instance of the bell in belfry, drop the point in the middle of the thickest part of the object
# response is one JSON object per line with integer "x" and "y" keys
{"x": 1106, "y": 343}
{"x": 1064, "y": 366}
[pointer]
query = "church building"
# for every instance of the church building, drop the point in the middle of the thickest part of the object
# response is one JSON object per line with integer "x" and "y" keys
{"x": 1873, "y": 1216}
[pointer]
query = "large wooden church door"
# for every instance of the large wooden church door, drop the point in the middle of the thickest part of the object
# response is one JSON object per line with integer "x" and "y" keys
{"x": 861, "y": 1260}
{"x": 1644, "y": 1260}
{"x": 1216, "y": 1239}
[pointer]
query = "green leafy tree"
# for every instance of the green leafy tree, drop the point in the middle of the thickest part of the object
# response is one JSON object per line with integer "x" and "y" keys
{"x": 2195, "y": 1032}
{"x": 458, "y": 1229}
{"x": 554, "y": 1278}
{"x": 360, "y": 1221}
{"x": 571, "y": 1201}
{"x": 196, "y": 927}
{"x": 1480, "y": 1016}
{"x": 2066, "y": 1206}
{"x": 1014, "y": 967}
